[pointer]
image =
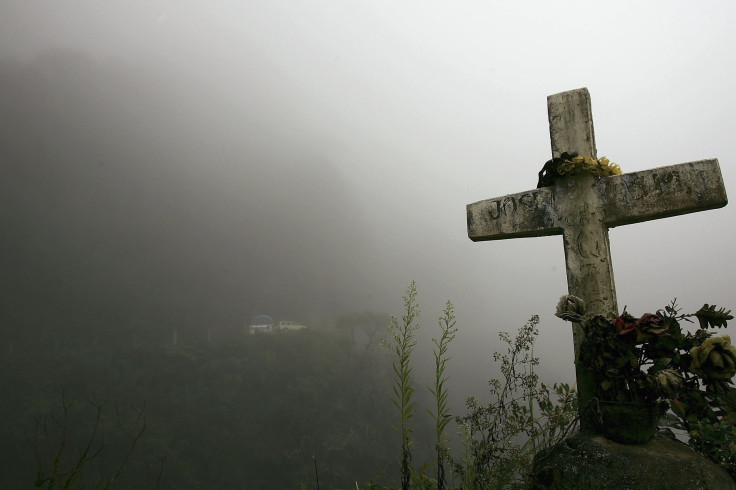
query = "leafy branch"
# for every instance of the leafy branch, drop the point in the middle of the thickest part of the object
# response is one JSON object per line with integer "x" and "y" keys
{"x": 66, "y": 471}
{"x": 709, "y": 317}
{"x": 502, "y": 436}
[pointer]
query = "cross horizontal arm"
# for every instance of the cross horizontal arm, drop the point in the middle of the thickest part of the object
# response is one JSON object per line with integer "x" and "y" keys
{"x": 662, "y": 192}
{"x": 526, "y": 214}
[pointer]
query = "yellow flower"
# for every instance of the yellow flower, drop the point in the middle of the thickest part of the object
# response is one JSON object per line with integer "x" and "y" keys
{"x": 580, "y": 164}
{"x": 669, "y": 380}
{"x": 715, "y": 358}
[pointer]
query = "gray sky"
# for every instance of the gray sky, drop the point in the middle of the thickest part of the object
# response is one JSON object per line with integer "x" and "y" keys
{"x": 418, "y": 108}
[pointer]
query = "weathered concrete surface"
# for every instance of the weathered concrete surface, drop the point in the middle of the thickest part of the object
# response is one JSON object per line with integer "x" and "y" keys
{"x": 594, "y": 462}
{"x": 571, "y": 123}
{"x": 582, "y": 209}
{"x": 662, "y": 192}
{"x": 618, "y": 200}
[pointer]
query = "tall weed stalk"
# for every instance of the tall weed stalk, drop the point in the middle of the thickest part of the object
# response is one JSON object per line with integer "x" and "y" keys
{"x": 402, "y": 343}
{"x": 441, "y": 414}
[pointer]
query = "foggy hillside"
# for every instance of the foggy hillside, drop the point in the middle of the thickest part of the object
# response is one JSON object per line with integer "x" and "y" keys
{"x": 170, "y": 169}
{"x": 118, "y": 204}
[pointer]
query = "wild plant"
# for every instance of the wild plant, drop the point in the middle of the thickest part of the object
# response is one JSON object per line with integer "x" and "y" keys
{"x": 500, "y": 438}
{"x": 441, "y": 414}
{"x": 402, "y": 343}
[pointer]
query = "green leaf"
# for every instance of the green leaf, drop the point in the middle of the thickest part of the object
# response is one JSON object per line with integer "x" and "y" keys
{"x": 709, "y": 317}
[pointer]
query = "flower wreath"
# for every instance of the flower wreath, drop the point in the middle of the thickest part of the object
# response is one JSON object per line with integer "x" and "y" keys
{"x": 572, "y": 164}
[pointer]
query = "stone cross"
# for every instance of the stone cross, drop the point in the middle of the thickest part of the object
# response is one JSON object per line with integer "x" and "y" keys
{"x": 582, "y": 208}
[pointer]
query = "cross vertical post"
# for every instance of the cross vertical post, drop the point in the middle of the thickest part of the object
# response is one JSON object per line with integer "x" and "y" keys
{"x": 585, "y": 238}
{"x": 587, "y": 248}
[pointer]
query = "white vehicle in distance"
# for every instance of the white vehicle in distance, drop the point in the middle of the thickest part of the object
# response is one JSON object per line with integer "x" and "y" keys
{"x": 261, "y": 324}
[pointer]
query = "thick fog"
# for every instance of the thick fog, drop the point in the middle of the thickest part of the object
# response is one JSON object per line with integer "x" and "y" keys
{"x": 198, "y": 163}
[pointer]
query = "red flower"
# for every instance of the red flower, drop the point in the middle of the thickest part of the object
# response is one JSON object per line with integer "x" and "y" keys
{"x": 648, "y": 326}
{"x": 651, "y": 323}
{"x": 623, "y": 328}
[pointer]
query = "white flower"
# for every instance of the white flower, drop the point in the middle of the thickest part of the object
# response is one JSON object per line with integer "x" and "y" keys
{"x": 570, "y": 308}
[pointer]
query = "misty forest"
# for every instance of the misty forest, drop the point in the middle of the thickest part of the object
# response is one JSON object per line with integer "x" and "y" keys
{"x": 144, "y": 253}
{"x": 130, "y": 281}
